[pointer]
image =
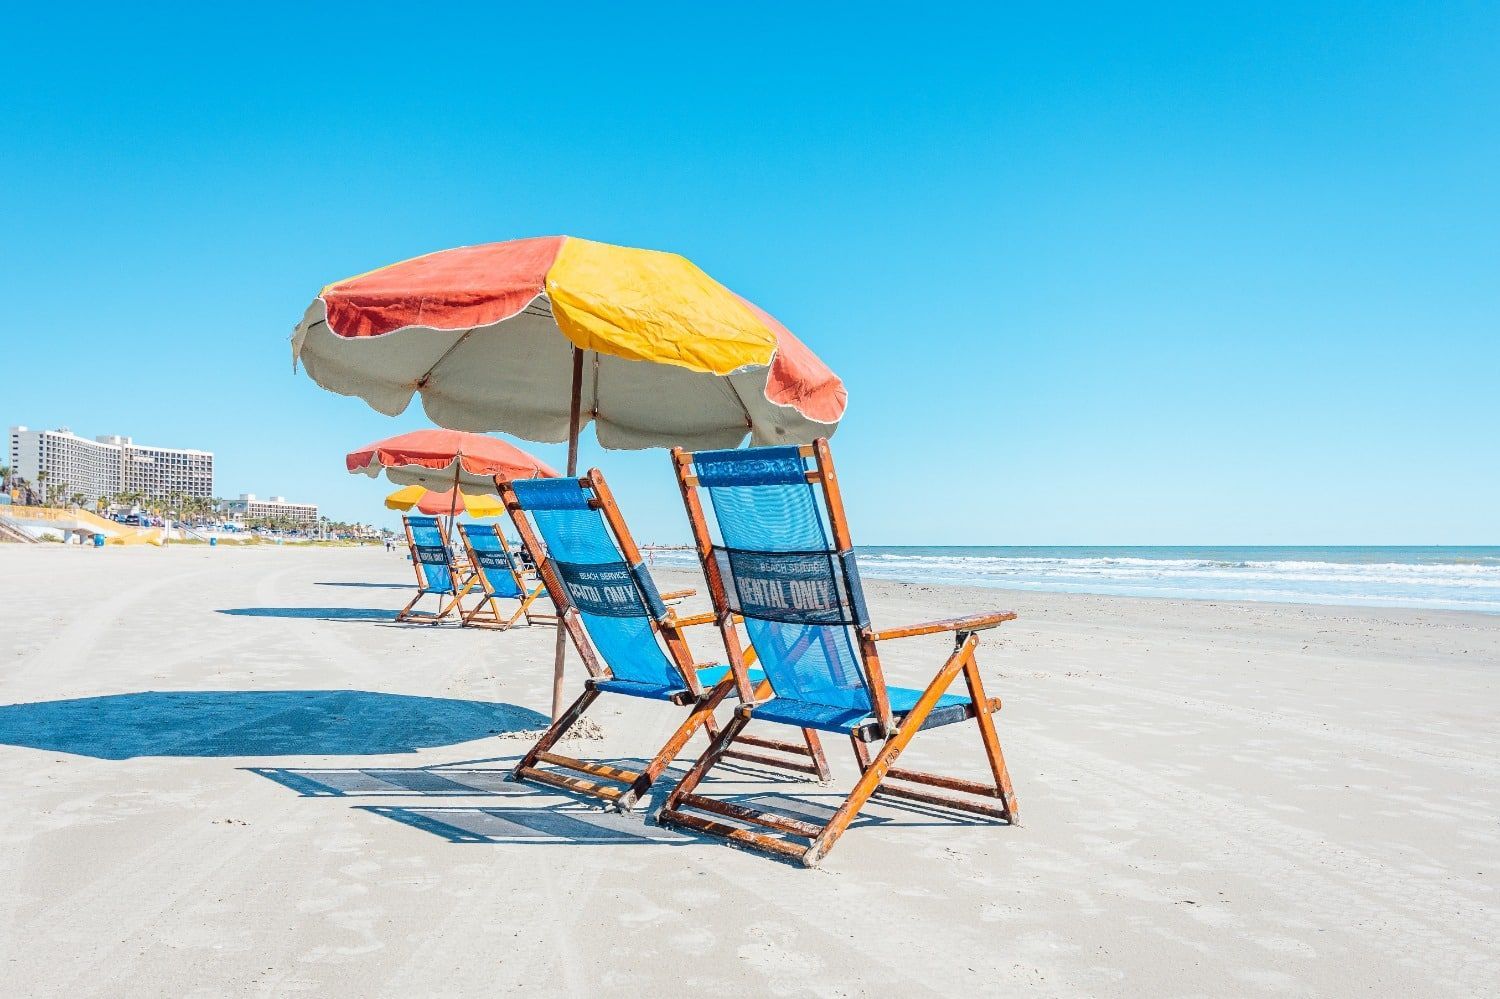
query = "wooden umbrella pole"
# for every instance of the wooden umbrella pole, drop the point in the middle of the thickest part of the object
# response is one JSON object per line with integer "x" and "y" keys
{"x": 574, "y": 418}
{"x": 453, "y": 505}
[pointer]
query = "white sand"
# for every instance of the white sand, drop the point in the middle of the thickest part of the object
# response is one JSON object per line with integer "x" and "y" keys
{"x": 1217, "y": 799}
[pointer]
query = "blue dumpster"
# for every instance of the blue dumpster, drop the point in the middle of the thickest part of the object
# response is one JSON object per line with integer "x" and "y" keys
{"x": 98, "y": 541}
{"x": 213, "y": 542}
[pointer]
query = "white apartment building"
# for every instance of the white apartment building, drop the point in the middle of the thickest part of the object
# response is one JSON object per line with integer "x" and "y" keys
{"x": 247, "y": 507}
{"x": 108, "y": 465}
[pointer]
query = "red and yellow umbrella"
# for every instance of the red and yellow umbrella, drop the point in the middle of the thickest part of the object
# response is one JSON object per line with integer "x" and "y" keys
{"x": 517, "y": 336}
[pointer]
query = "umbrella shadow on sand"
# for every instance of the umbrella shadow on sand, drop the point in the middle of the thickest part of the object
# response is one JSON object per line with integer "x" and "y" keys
{"x": 256, "y": 723}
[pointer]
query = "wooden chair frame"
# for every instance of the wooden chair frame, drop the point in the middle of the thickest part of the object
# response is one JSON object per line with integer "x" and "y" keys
{"x": 463, "y": 581}
{"x": 625, "y": 787}
{"x": 486, "y": 613}
{"x": 877, "y": 773}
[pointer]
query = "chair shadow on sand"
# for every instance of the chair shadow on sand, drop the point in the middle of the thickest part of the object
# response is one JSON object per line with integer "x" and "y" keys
{"x": 370, "y": 586}
{"x": 256, "y": 723}
{"x": 583, "y": 822}
{"x": 518, "y": 819}
{"x": 579, "y": 825}
{"x": 315, "y": 613}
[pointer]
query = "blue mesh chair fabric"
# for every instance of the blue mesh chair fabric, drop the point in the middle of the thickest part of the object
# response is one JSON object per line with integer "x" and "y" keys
{"x": 492, "y": 560}
{"x": 799, "y": 595}
{"x": 430, "y": 554}
{"x": 615, "y": 600}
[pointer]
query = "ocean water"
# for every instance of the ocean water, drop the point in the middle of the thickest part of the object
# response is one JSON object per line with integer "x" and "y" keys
{"x": 1422, "y": 577}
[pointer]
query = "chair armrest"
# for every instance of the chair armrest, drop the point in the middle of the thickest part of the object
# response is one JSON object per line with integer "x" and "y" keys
{"x": 692, "y": 619}
{"x": 708, "y": 617}
{"x": 677, "y": 595}
{"x": 973, "y": 622}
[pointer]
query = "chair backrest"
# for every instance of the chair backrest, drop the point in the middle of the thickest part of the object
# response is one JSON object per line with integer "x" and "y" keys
{"x": 778, "y": 553}
{"x": 492, "y": 559}
{"x": 429, "y": 553}
{"x": 581, "y": 554}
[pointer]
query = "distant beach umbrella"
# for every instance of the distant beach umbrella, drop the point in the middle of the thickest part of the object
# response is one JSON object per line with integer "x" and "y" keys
{"x": 435, "y": 503}
{"x": 441, "y": 460}
{"x": 448, "y": 461}
{"x": 540, "y": 337}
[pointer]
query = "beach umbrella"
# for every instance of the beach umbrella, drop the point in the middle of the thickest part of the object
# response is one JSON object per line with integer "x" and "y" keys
{"x": 540, "y": 337}
{"x": 447, "y": 461}
{"x": 442, "y": 460}
{"x": 513, "y": 336}
{"x": 430, "y": 502}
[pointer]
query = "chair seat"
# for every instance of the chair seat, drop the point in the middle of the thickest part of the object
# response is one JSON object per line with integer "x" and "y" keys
{"x": 506, "y": 590}
{"x": 950, "y": 708}
{"x": 708, "y": 676}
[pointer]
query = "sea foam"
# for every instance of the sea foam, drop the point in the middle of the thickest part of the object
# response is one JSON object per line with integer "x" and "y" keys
{"x": 1434, "y": 578}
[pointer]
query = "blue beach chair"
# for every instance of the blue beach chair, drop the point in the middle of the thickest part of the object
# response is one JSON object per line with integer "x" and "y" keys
{"x": 432, "y": 561}
{"x": 784, "y": 562}
{"x": 630, "y": 640}
{"x": 498, "y": 578}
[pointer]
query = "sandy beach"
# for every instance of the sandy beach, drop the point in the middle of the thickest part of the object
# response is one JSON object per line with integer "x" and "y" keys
{"x": 271, "y": 789}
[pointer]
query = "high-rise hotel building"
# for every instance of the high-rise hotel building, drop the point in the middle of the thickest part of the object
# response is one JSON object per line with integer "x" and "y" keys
{"x": 108, "y": 465}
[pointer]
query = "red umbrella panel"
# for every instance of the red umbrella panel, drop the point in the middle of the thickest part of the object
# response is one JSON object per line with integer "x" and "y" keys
{"x": 439, "y": 460}
{"x": 447, "y": 461}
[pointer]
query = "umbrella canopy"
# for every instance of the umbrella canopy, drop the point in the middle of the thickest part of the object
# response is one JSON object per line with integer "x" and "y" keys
{"x": 513, "y": 336}
{"x": 435, "y": 503}
{"x": 441, "y": 460}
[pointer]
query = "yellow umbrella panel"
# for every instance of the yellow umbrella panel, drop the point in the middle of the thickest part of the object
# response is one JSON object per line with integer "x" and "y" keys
{"x": 436, "y": 503}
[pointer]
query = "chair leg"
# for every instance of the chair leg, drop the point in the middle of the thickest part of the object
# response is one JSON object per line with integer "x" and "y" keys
{"x": 999, "y": 786}
{"x": 468, "y": 617}
{"x": 861, "y": 753}
{"x": 555, "y": 732}
{"x": 401, "y": 615}
{"x": 986, "y": 720}
{"x": 811, "y": 748}
{"x": 701, "y": 715}
{"x": 448, "y": 608}
{"x": 526, "y": 608}
{"x": 706, "y": 762}
{"x": 510, "y": 622}
{"x": 815, "y": 750}
{"x": 870, "y": 779}
{"x": 487, "y": 614}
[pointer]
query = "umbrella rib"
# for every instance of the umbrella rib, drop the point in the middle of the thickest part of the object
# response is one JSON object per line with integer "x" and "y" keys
{"x": 735, "y": 392}
{"x": 422, "y": 382}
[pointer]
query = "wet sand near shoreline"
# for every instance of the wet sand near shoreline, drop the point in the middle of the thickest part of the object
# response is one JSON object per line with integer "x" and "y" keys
{"x": 226, "y": 772}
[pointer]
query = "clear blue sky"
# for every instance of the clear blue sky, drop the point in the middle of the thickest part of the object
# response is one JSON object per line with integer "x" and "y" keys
{"x": 1092, "y": 274}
